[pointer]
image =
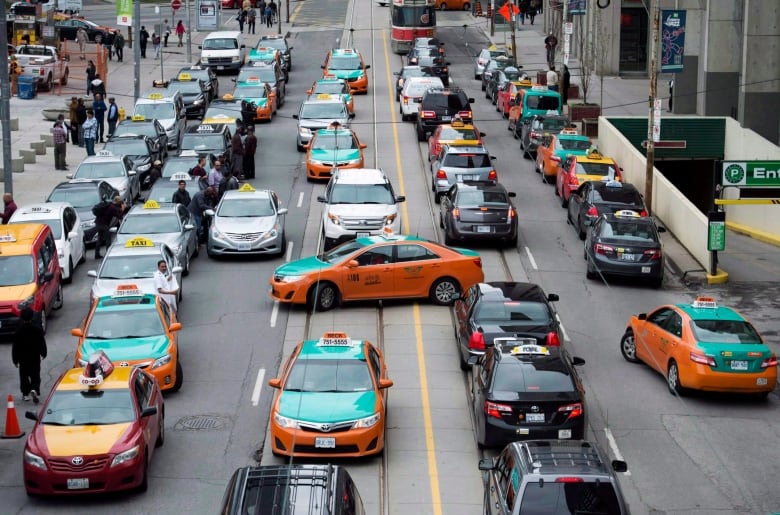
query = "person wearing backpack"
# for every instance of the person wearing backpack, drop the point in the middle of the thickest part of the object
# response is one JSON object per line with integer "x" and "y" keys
{"x": 105, "y": 212}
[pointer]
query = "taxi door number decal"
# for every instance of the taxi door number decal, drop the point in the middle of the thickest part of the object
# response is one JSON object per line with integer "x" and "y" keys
{"x": 353, "y": 277}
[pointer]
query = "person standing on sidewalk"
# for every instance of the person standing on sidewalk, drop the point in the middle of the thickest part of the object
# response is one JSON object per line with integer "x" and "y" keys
{"x": 269, "y": 16}
{"x": 119, "y": 45}
{"x": 156, "y": 44}
{"x": 91, "y": 74}
{"x": 531, "y": 11}
{"x": 237, "y": 159}
{"x": 90, "y": 132}
{"x": 550, "y": 42}
{"x": 180, "y": 32}
{"x": 167, "y": 33}
{"x": 565, "y": 84}
{"x": 274, "y": 11}
{"x": 250, "y": 148}
{"x": 261, "y": 11}
{"x": 251, "y": 20}
{"x": 113, "y": 116}
{"x": 143, "y": 37}
{"x": 9, "y": 207}
{"x": 60, "y": 137}
{"x": 552, "y": 79}
{"x": 74, "y": 120}
{"x": 81, "y": 117}
{"x": 523, "y": 8}
{"x": 100, "y": 108}
{"x": 82, "y": 39}
{"x": 27, "y": 350}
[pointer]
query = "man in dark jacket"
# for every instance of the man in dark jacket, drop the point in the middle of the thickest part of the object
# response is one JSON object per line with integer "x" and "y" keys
{"x": 181, "y": 195}
{"x": 143, "y": 37}
{"x": 250, "y": 148}
{"x": 237, "y": 146}
{"x": 100, "y": 108}
{"x": 27, "y": 350}
{"x": 103, "y": 221}
{"x": 201, "y": 201}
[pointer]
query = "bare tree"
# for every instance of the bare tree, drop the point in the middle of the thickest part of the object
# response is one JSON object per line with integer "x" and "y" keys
{"x": 604, "y": 43}
{"x": 588, "y": 56}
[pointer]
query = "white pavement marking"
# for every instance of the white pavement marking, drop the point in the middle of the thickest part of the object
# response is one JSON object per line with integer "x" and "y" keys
{"x": 614, "y": 447}
{"x": 258, "y": 387}
{"x": 288, "y": 254}
{"x": 274, "y": 313}
{"x": 530, "y": 257}
{"x": 300, "y": 199}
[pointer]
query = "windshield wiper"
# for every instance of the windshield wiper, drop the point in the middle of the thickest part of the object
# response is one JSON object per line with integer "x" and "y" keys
{"x": 46, "y": 422}
{"x": 135, "y": 336}
{"x": 293, "y": 390}
{"x": 90, "y": 337}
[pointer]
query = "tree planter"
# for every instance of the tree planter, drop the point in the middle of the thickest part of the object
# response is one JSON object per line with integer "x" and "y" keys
{"x": 579, "y": 111}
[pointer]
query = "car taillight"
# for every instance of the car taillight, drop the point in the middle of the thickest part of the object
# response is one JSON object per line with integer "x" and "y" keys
{"x": 552, "y": 340}
{"x": 477, "y": 341}
{"x": 653, "y": 254}
{"x": 41, "y": 71}
{"x": 441, "y": 174}
{"x": 478, "y": 262}
{"x": 643, "y": 213}
{"x": 406, "y": 100}
{"x": 428, "y": 114}
{"x": 535, "y": 134}
{"x": 555, "y": 159}
{"x": 618, "y": 175}
{"x": 511, "y": 213}
{"x": 456, "y": 213}
{"x": 569, "y": 479}
{"x": 482, "y": 62}
{"x": 573, "y": 181}
{"x": 493, "y": 409}
{"x": 492, "y": 175}
{"x": 703, "y": 359}
{"x": 444, "y": 70}
{"x": 592, "y": 211}
{"x": 464, "y": 114}
{"x": 574, "y": 410}
{"x": 602, "y": 249}
{"x": 769, "y": 362}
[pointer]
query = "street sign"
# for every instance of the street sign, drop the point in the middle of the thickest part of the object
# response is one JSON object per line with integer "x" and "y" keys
{"x": 124, "y": 13}
{"x": 568, "y": 28}
{"x": 756, "y": 174}
{"x": 175, "y": 5}
{"x": 716, "y": 231}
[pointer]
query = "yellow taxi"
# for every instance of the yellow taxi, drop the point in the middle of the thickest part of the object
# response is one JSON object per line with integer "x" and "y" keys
{"x": 347, "y": 64}
{"x": 576, "y": 170}
{"x": 455, "y": 133}
{"x": 330, "y": 149}
{"x": 331, "y": 399}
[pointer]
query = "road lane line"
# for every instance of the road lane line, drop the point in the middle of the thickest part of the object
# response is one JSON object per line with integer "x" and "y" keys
{"x": 274, "y": 313}
{"x": 430, "y": 441}
{"x": 614, "y": 447}
{"x": 258, "y": 387}
{"x": 300, "y": 200}
{"x": 530, "y": 257}
{"x": 288, "y": 254}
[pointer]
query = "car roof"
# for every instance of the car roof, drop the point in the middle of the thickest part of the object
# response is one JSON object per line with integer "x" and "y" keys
{"x": 149, "y": 209}
{"x": 261, "y": 194}
{"x": 216, "y": 128}
{"x": 603, "y": 185}
{"x": 710, "y": 311}
{"x": 360, "y": 176}
{"x": 108, "y": 159}
{"x": 562, "y": 457}
{"x": 451, "y": 148}
{"x": 127, "y": 249}
{"x": 320, "y": 349}
{"x": 501, "y": 291}
{"x": 39, "y": 211}
{"x": 119, "y": 379}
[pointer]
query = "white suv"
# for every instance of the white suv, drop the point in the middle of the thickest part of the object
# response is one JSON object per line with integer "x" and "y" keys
{"x": 358, "y": 202}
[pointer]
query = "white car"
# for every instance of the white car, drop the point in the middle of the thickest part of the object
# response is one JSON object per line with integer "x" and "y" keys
{"x": 65, "y": 224}
{"x": 412, "y": 93}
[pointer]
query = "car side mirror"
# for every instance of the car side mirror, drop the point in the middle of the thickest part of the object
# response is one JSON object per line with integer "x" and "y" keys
{"x": 512, "y": 194}
{"x": 352, "y": 263}
{"x": 233, "y": 79}
{"x": 243, "y": 46}
{"x": 77, "y": 332}
{"x": 92, "y": 273}
{"x": 322, "y": 66}
{"x": 68, "y": 175}
{"x": 295, "y": 117}
{"x": 113, "y": 229}
{"x": 177, "y": 270}
{"x": 200, "y": 47}
{"x": 385, "y": 383}
{"x": 661, "y": 229}
{"x": 72, "y": 235}
{"x": 31, "y": 415}
{"x": 275, "y": 382}
{"x": 482, "y": 134}
{"x": 131, "y": 173}
{"x": 321, "y": 198}
{"x": 471, "y": 100}
{"x": 189, "y": 227}
{"x": 48, "y": 276}
{"x": 209, "y": 212}
{"x": 290, "y": 48}
{"x": 642, "y": 316}
{"x": 368, "y": 66}
{"x": 553, "y": 297}
{"x": 351, "y": 115}
{"x": 396, "y": 73}
{"x": 149, "y": 411}
{"x": 400, "y": 198}
{"x": 282, "y": 211}
{"x": 619, "y": 466}
{"x": 577, "y": 361}
{"x": 176, "y": 326}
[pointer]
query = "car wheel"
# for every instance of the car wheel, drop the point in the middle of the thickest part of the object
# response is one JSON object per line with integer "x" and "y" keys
{"x": 48, "y": 85}
{"x": 436, "y": 198}
{"x": 420, "y": 133}
{"x": 323, "y": 296}
{"x": 657, "y": 282}
{"x": 69, "y": 279}
{"x": 179, "y": 377}
{"x": 442, "y": 291}
{"x": 512, "y": 243}
{"x": 186, "y": 270}
{"x": 464, "y": 365}
{"x": 628, "y": 346}
{"x": 590, "y": 272}
{"x": 58, "y": 298}
{"x": 447, "y": 240}
{"x": 443, "y": 6}
{"x": 283, "y": 245}
{"x": 161, "y": 437}
{"x": 564, "y": 202}
{"x": 197, "y": 249}
{"x": 299, "y": 146}
{"x": 673, "y": 379}
{"x": 441, "y": 221}
{"x": 580, "y": 231}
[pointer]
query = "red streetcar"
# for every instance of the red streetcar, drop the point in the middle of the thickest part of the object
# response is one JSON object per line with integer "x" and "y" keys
{"x": 411, "y": 19}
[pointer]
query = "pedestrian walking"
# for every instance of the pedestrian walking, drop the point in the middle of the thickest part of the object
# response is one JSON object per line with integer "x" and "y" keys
{"x": 113, "y": 116}
{"x": 9, "y": 207}
{"x": 241, "y": 17}
{"x": 90, "y": 132}
{"x": 274, "y": 11}
{"x": 143, "y": 37}
{"x": 74, "y": 120}
{"x": 105, "y": 212}
{"x": 166, "y": 284}
{"x": 59, "y": 135}
{"x": 261, "y": 11}
{"x": 167, "y": 33}
{"x": 201, "y": 201}
{"x": 98, "y": 86}
{"x": 99, "y": 107}
{"x": 250, "y": 148}
{"x": 180, "y": 32}
{"x": 119, "y": 45}
{"x": 108, "y": 45}
{"x": 552, "y": 78}
{"x": 14, "y": 70}
{"x": 531, "y": 11}
{"x": 81, "y": 118}
{"x": 156, "y": 44}
{"x": 550, "y": 42}
{"x": 91, "y": 74}
{"x": 269, "y": 16}
{"x": 251, "y": 20}
{"x": 565, "y": 84}
{"x": 237, "y": 158}
{"x": 82, "y": 39}
{"x": 199, "y": 170}
{"x": 539, "y": 6}
{"x": 215, "y": 175}
{"x": 523, "y": 8}
{"x": 27, "y": 350}
{"x": 181, "y": 195}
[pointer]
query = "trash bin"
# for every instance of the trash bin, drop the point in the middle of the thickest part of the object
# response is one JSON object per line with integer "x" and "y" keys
{"x": 26, "y": 86}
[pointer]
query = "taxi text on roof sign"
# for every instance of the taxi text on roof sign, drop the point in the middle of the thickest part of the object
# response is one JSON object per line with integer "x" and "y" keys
{"x": 151, "y": 204}
{"x": 530, "y": 349}
{"x": 205, "y": 128}
{"x": 705, "y": 302}
{"x": 246, "y": 188}
{"x": 139, "y": 242}
{"x": 227, "y": 96}
{"x": 335, "y": 340}
{"x": 538, "y": 87}
{"x": 7, "y": 238}
{"x": 105, "y": 153}
{"x": 181, "y": 176}
{"x": 185, "y": 76}
{"x": 594, "y": 154}
{"x": 627, "y": 213}
{"x": 37, "y": 209}
{"x": 220, "y": 118}
{"x": 138, "y": 118}
{"x": 155, "y": 96}
{"x": 323, "y": 96}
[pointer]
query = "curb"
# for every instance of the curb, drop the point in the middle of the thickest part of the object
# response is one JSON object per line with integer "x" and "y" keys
{"x": 756, "y": 234}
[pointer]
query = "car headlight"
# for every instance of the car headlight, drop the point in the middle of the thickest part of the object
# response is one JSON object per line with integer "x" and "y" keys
{"x": 366, "y": 422}
{"x": 26, "y": 303}
{"x": 288, "y": 278}
{"x": 303, "y": 131}
{"x": 88, "y": 224}
{"x": 197, "y": 102}
{"x": 126, "y": 456}
{"x": 159, "y": 362}
{"x": 354, "y": 161}
{"x": 204, "y": 59}
{"x": 334, "y": 219}
{"x": 143, "y": 168}
{"x": 316, "y": 162}
{"x": 236, "y": 58}
{"x": 389, "y": 219}
{"x": 217, "y": 234}
{"x": 285, "y": 422}
{"x": 273, "y": 233}
{"x": 34, "y": 460}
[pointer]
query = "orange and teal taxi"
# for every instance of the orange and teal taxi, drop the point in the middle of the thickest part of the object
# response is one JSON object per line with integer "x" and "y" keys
{"x": 260, "y": 95}
{"x": 509, "y": 93}
{"x": 388, "y": 266}
{"x": 133, "y": 329}
{"x": 331, "y": 399}
{"x": 332, "y": 148}
{"x": 701, "y": 346}
{"x": 455, "y": 133}
{"x": 575, "y": 170}
{"x": 554, "y": 149}
{"x": 347, "y": 64}
{"x": 264, "y": 55}
{"x": 333, "y": 86}
{"x": 96, "y": 432}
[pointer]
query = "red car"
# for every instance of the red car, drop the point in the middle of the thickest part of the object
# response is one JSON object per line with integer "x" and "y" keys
{"x": 454, "y": 133}
{"x": 508, "y": 93}
{"x": 575, "y": 170}
{"x": 95, "y": 432}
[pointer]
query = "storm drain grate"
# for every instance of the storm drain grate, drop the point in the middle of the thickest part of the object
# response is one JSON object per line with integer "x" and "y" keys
{"x": 199, "y": 423}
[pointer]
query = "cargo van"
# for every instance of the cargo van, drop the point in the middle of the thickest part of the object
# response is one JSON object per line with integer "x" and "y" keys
{"x": 223, "y": 50}
{"x": 30, "y": 275}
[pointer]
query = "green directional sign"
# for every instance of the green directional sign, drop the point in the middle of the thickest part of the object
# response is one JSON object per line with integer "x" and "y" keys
{"x": 716, "y": 231}
{"x": 124, "y": 12}
{"x": 756, "y": 174}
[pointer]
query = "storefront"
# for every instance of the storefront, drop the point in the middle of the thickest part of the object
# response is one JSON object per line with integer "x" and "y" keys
{"x": 634, "y": 38}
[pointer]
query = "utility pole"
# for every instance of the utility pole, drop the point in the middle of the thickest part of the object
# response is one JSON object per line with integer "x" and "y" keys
{"x": 137, "y": 50}
{"x": 651, "y": 129}
{"x": 162, "y": 29}
{"x": 189, "y": 32}
{"x": 492, "y": 10}
{"x": 5, "y": 112}
{"x": 566, "y": 43}
{"x": 287, "y": 3}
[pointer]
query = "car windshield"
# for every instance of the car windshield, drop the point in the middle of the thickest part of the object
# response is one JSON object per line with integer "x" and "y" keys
{"x": 231, "y": 112}
{"x": 88, "y": 407}
{"x": 150, "y": 224}
{"x": 554, "y": 124}
{"x": 348, "y": 62}
{"x": 570, "y": 498}
{"x": 572, "y": 144}
{"x": 330, "y": 88}
{"x": 76, "y": 197}
{"x": 452, "y": 134}
{"x": 361, "y": 194}
{"x": 142, "y": 129}
{"x": 481, "y": 198}
{"x": 220, "y": 44}
{"x": 129, "y": 267}
{"x": 724, "y": 331}
{"x": 629, "y": 231}
{"x": 192, "y": 141}
{"x": 531, "y": 313}
{"x": 158, "y": 110}
{"x": 173, "y": 166}
{"x": 329, "y": 375}
{"x": 100, "y": 170}
{"x": 189, "y": 87}
{"x": 332, "y": 141}
{"x": 133, "y": 323}
{"x": 129, "y": 147}
{"x": 466, "y": 161}
{"x": 16, "y": 270}
{"x": 602, "y": 169}
{"x": 543, "y": 102}
{"x": 54, "y": 224}
{"x": 624, "y": 196}
{"x": 249, "y": 92}
{"x": 239, "y": 208}
{"x": 264, "y": 74}
{"x": 342, "y": 251}
{"x": 162, "y": 191}
{"x": 532, "y": 374}
{"x": 324, "y": 110}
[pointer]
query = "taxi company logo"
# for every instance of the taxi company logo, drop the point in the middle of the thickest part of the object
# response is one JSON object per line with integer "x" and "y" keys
{"x": 535, "y": 409}
{"x": 77, "y": 460}
{"x": 734, "y": 173}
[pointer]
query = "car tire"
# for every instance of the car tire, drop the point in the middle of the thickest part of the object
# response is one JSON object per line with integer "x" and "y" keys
{"x": 657, "y": 282}
{"x": 48, "y": 86}
{"x": 420, "y": 133}
{"x": 466, "y": 6}
{"x": 283, "y": 245}
{"x": 673, "y": 379}
{"x": 447, "y": 240}
{"x": 161, "y": 437}
{"x": 464, "y": 365}
{"x": 323, "y": 296}
{"x": 69, "y": 279}
{"x": 442, "y": 290}
{"x": 441, "y": 221}
{"x": 59, "y": 298}
{"x": 443, "y": 6}
{"x": 512, "y": 243}
{"x": 628, "y": 346}
{"x": 590, "y": 273}
{"x": 196, "y": 252}
{"x": 564, "y": 202}
{"x": 299, "y": 146}
{"x": 179, "y": 377}
{"x": 436, "y": 198}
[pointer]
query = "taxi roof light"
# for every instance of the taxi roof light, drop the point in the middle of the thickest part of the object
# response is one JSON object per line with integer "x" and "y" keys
{"x": 139, "y": 241}
{"x": 705, "y": 303}
{"x": 138, "y": 118}
{"x": 7, "y": 238}
{"x": 37, "y": 209}
{"x": 246, "y": 188}
{"x": 105, "y": 153}
{"x": 627, "y": 213}
{"x": 151, "y": 204}
{"x": 335, "y": 339}
{"x": 98, "y": 368}
{"x": 179, "y": 176}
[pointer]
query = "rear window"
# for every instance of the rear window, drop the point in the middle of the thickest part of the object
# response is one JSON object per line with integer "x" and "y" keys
{"x": 481, "y": 198}
{"x": 466, "y": 160}
{"x": 532, "y": 313}
{"x": 602, "y": 169}
{"x": 532, "y": 374}
{"x": 593, "y": 498}
{"x": 451, "y": 101}
{"x": 572, "y": 144}
{"x": 553, "y": 124}
{"x": 636, "y": 231}
{"x": 724, "y": 331}
{"x": 542, "y": 102}
{"x": 617, "y": 196}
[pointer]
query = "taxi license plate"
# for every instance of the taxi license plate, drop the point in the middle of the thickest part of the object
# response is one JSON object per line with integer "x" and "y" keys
{"x": 627, "y": 257}
{"x": 244, "y": 246}
{"x": 534, "y": 417}
{"x": 483, "y": 228}
{"x": 446, "y": 118}
{"x": 645, "y": 269}
{"x": 220, "y": 67}
{"x": 739, "y": 365}
{"x": 467, "y": 177}
{"x": 78, "y": 484}
{"x": 362, "y": 235}
{"x": 325, "y": 443}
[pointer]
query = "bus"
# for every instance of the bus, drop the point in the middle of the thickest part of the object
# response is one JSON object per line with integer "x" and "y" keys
{"x": 411, "y": 19}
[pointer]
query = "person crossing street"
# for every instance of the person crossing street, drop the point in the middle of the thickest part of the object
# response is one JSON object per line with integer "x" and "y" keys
{"x": 28, "y": 348}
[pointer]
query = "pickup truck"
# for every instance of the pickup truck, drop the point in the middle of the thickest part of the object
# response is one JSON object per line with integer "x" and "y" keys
{"x": 44, "y": 63}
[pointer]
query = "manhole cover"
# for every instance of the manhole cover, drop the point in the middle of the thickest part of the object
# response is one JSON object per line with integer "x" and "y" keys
{"x": 199, "y": 423}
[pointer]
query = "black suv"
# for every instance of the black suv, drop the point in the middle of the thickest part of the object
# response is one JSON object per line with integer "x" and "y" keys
{"x": 292, "y": 489}
{"x": 523, "y": 390}
{"x": 441, "y": 105}
{"x": 209, "y": 138}
{"x": 543, "y": 477}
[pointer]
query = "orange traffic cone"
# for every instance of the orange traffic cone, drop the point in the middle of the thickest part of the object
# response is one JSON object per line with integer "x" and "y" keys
{"x": 12, "y": 429}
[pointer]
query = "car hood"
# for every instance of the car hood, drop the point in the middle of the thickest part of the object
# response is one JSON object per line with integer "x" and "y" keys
{"x": 346, "y": 154}
{"x": 302, "y": 266}
{"x": 128, "y": 349}
{"x": 367, "y": 210}
{"x": 346, "y": 74}
{"x": 172, "y": 239}
{"x": 326, "y": 407}
{"x": 244, "y": 225}
{"x": 78, "y": 440}
{"x": 14, "y": 294}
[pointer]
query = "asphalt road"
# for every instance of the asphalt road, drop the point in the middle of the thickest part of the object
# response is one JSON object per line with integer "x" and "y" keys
{"x": 701, "y": 454}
